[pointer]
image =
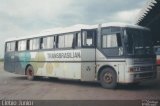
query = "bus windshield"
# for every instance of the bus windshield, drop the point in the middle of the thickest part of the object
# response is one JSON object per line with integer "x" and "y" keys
{"x": 138, "y": 42}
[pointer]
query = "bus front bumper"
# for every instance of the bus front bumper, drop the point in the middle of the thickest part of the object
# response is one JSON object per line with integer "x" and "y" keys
{"x": 131, "y": 77}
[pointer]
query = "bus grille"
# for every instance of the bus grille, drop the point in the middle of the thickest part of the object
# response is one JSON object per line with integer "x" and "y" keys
{"x": 148, "y": 68}
{"x": 144, "y": 75}
{"x": 143, "y": 61}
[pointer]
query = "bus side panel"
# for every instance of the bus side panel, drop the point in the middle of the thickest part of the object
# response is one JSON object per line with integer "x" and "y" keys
{"x": 22, "y": 59}
{"x": 121, "y": 72}
{"x": 61, "y": 64}
{"x": 36, "y": 64}
{"x": 88, "y": 71}
{"x": 62, "y": 70}
{"x": 19, "y": 69}
{"x": 117, "y": 64}
{"x": 9, "y": 62}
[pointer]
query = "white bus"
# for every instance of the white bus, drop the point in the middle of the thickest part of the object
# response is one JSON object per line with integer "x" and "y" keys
{"x": 106, "y": 53}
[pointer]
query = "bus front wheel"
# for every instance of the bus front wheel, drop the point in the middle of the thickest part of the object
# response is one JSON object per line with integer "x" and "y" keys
{"x": 30, "y": 73}
{"x": 108, "y": 78}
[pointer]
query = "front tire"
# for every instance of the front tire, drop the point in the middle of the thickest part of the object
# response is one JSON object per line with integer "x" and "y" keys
{"x": 30, "y": 73}
{"x": 108, "y": 78}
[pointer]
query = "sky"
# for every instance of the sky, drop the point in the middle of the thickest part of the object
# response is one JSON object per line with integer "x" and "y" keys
{"x": 26, "y": 17}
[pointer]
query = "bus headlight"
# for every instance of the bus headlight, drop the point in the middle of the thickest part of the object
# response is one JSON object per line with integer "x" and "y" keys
{"x": 134, "y": 69}
{"x": 131, "y": 69}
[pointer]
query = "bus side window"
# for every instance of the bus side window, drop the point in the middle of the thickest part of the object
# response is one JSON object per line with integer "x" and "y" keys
{"x": 65, "y": 41}
{"x": 22, "y": 45}
{"x": 47, "y": 42}
{"x": 76, "y": 40}
{"x": 34, "y": 44}
{"x": 112, "y": 41}
{"x": 68, "y": 40}
{"x": 61, "y": 41}
{"x": 10, "y": 46}
{"x": 50, "y": 42}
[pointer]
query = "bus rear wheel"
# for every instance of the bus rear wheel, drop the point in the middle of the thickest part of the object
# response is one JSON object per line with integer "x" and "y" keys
{"x": 30, "y": 73}
{"x": 108, "y": 78}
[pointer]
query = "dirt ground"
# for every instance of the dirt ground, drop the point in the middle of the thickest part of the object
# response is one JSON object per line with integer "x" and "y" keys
{"x": 14, "y": 86}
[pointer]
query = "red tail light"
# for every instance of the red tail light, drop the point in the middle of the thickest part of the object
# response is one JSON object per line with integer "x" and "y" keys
{"x": 158, "y": 61}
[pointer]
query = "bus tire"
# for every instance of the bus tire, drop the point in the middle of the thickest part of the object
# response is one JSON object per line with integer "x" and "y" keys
{"x": 30, "y": 73}
{"x": 108, "y": 78}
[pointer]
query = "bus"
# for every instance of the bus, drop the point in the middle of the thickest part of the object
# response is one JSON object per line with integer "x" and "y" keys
{"x": 109, "y": 53}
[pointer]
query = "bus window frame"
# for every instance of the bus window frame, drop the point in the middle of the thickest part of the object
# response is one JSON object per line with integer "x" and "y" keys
{"x": 112, "y": 33}
{"x": 32, "y": 45}
{"x": 53, "y": 46}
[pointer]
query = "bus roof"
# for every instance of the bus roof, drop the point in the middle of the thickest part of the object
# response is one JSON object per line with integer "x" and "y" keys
{"x": 54, "y": 31}
{"x": 76, "y": 28}
{"x": 115, "y": 24}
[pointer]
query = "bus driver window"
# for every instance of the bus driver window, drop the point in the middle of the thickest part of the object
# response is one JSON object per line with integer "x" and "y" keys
{"x": 88, "y": 38}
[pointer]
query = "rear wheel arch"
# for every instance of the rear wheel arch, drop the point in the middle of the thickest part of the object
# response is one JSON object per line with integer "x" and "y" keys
{"x": 26, "y": 68}
{"x": 30, "y": 72}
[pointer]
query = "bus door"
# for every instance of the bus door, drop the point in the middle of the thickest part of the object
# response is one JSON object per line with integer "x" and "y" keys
{"x": 88, "y": 54}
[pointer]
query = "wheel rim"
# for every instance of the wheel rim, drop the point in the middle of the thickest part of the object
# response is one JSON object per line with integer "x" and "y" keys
{"x": 108, "y": 78}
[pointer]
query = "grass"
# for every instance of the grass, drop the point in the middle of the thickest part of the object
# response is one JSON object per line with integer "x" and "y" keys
{"x": 1, "y": 60}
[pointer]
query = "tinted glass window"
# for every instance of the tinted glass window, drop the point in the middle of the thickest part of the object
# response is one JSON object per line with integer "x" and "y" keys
{"x": 139, "y": 42}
